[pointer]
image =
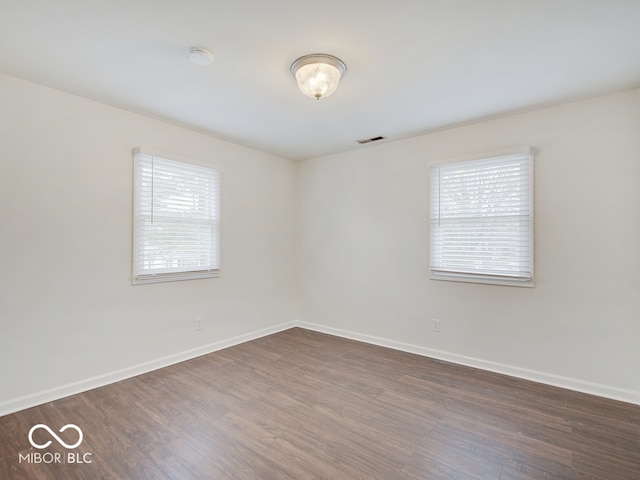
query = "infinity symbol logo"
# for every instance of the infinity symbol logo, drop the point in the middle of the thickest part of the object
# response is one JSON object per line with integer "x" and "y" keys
{"x": 60, "y": 441}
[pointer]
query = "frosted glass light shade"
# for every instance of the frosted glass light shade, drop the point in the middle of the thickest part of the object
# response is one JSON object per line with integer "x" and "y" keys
{"x": 318, "y": 75}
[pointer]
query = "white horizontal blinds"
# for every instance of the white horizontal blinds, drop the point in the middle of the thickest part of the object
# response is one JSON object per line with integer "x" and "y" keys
{"x": 482, "y": 218}
{"x": 176, "y": 219}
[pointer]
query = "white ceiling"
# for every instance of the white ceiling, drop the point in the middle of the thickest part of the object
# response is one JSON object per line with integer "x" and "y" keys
{"x": 414, "y": 66}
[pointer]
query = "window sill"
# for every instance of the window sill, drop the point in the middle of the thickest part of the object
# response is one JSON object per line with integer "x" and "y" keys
{"x": 174, "y": 277}
{"x": 486, "y": 280}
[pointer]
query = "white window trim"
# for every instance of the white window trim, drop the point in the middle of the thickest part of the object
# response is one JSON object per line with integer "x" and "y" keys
{"x": 138, "y": 279}
{"x": 490, "y": 279}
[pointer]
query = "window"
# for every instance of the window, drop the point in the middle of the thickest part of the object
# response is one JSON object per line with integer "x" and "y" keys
{"x": 482, "y": 220}
{"x": 176, "y": 220}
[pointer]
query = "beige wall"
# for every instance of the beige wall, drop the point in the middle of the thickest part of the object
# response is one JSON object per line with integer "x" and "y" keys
{"x": 338, "y": 244}
{"x": 363, "y": 250}
{"x": 68, "y": 311}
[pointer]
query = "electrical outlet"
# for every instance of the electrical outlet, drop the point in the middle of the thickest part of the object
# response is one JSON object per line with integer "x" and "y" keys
{"x": 435, "y": 325}
{"x": 198, "y": 323}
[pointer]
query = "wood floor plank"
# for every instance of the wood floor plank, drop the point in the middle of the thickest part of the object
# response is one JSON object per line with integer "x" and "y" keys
{"x": 300, "y": 405}
{"x": 425, "y": 466}
{"x": 528, "y": 472}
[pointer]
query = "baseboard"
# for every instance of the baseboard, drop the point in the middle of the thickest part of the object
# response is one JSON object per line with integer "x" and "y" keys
{"x": 45, "y": 396}
{"x": 599, "y": 390}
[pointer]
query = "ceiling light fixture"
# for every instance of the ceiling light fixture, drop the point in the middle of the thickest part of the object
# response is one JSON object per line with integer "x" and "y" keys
{"x": 318, "y": 74}
{"x": 200, "y": 56}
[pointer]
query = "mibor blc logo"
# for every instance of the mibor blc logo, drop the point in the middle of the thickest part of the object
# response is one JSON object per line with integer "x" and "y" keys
{"x": 55, "y": 457}
{"x": 52, "y": 433}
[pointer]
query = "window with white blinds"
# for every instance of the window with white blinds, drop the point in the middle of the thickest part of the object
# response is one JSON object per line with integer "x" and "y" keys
{"x": 176, "y": 220}
{"x": 482, "y": 220}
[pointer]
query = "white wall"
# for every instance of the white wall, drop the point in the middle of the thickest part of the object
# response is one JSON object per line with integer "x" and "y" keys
{"x": 68, "y": 311}
{"x": 363, "y": 250}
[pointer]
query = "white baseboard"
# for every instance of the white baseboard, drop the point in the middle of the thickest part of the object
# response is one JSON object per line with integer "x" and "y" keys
{"x": 45, "y": 396}
{"x": 599, "y": 390}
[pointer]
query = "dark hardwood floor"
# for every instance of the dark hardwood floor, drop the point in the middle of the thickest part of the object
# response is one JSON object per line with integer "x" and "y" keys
{"x": 302, "y": 405}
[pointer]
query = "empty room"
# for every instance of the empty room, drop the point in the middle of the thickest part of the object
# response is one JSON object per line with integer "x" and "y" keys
{"x": 320, "y": 240}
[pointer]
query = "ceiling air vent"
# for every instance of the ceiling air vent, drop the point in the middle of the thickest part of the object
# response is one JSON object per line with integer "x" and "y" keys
{"x": 369, "y": 140}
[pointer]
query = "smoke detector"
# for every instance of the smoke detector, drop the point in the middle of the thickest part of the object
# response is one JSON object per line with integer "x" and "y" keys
{"x": 200, "y": 56}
